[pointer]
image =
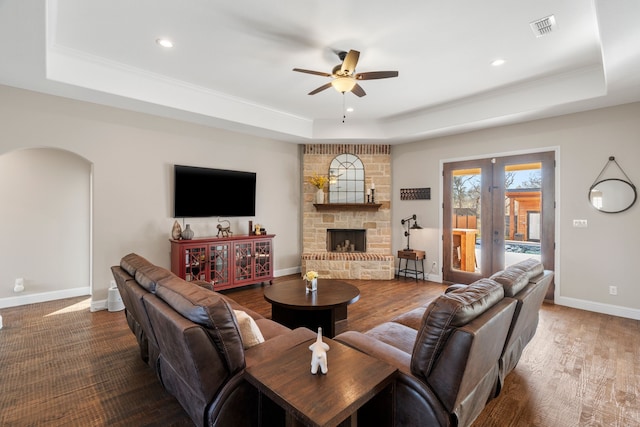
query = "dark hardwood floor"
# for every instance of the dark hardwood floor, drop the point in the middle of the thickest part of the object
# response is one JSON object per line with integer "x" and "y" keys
{"x": 62, "y": 365}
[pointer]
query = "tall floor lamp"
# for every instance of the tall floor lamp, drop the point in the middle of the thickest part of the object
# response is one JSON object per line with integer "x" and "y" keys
{"x": 415, "y": 226}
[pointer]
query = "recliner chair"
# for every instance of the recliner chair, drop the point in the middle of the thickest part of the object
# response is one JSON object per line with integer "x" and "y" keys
{"x": 449, "y": 365}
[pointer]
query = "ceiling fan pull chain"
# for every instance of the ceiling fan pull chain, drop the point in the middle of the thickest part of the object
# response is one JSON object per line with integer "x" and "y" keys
{"x": 344, "y": 110}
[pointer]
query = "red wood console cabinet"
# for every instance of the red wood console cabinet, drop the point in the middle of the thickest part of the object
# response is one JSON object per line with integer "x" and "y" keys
{"x": 225, "y": 262}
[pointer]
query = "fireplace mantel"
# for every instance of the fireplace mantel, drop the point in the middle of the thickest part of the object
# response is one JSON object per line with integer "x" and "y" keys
{"x": 347, "y": 206}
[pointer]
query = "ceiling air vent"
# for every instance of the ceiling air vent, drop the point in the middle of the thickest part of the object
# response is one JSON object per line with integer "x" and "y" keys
{"x": 544, "y": 26}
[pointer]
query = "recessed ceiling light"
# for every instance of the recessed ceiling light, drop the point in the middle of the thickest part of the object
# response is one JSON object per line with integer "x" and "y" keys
{"x": 164, "y": 42}
{"x": 350, "y": 110}
{"x": 498, "y": 62}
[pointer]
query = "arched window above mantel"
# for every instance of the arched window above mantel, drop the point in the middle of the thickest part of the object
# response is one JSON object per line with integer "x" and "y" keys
{"x": 346, "y": 179}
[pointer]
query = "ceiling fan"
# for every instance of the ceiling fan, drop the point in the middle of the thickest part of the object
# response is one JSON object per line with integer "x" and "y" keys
{"x": 344, "y": 76}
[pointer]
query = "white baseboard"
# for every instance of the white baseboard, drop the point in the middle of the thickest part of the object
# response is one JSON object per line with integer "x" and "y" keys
{"x": 26, "y": 298}
{"x": 597, "y": 307}
{"x": 98, "y": 305}
{"x": 434, "y": 278}
{"x": 287, "y": 271}
{"x": 427, "y": 277}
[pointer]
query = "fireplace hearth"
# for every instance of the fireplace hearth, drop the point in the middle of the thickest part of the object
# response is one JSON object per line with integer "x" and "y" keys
{"x": 346, "y": 240}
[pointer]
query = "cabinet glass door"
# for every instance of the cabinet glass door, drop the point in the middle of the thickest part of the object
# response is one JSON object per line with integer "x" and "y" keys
{"x": 263, "y": 259}
{"x": 195, "y": 260}
{"x": 219, "y": 265}
{"x": 243, "y": 253}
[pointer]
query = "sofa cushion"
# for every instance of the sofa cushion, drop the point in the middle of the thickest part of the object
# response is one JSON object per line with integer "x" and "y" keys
{"x": 395, "y": 334}
{"x": 455, "y": 287}
{"x": 412, "y": 319}
{"x": 249, "y": 331}
{"x": 531, "y": 266}
{"x": 149, "y": 276}
{"x": 450, "y": 310}
{"x": 132, "y": 262}
{"x": 515, "y": 277}
{"x": 512, "y": 280}
{"x": 210, "y": 310}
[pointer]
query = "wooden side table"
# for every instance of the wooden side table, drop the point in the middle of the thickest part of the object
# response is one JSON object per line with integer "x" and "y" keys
{"x": 353, "y": 380}
{"x": 415, "y": 256}
{"x": 464, "y": 244}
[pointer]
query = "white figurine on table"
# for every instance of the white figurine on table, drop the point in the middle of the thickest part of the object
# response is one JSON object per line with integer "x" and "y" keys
{"x": 319, "y": 354}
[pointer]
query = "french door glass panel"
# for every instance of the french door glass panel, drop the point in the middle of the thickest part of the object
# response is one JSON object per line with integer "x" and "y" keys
{"x": 465, "y": 206}
{"x": 495, "y": 214}
{"x": 522, "y": 184}
{"x": 466, "y": 219}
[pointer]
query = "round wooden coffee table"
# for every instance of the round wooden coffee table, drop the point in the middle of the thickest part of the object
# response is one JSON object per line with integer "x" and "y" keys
{"x": 293, "y": 307}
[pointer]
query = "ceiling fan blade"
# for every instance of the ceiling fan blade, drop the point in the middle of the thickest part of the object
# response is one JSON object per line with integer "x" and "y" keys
{"x": 357, "y": 90}
{"x": 350, "y": 62}
{"x": 317, "y": 73}
{"x": 376, "y": 75}
{"x": 320, "y": 89}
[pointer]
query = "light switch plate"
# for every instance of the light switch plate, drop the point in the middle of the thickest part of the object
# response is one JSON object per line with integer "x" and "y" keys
{"x": 580, "y": 223}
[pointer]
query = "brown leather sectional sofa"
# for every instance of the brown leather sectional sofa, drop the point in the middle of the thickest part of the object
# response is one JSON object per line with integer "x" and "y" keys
{"x": 454, "y": 353}
{"x": 191, "y": 338}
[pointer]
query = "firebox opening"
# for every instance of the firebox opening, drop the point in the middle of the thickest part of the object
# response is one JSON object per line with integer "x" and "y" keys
{"x": 346, "y": 240}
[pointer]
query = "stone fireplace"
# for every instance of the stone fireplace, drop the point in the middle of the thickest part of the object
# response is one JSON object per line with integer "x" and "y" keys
{"x": 346, "y": 240}
{"x": 371, "y": 258}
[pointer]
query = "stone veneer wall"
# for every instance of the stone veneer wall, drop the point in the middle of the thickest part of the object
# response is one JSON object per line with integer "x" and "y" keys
{"x": 378, "y": 262}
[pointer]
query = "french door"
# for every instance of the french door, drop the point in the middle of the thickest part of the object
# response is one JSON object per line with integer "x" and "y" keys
{"x": 497, "y": 212}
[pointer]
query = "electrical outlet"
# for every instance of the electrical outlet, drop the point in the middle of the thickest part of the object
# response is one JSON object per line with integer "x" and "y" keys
{"x": 580, "y": 223}
{"x": 19, "y": 285}
{"x": 613, "y": 290}
{"x": 112, "y": 283}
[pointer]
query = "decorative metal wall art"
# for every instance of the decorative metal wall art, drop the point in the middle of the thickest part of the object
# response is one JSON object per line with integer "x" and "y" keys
{"x": 415, "y": 193}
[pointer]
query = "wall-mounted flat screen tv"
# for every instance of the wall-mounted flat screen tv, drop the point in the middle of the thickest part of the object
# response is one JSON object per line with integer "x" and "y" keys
{"x": 205, "y": 192}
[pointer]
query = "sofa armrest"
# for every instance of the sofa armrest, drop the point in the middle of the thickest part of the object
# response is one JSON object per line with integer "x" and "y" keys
{"x": 377, "y": 349}
{"x": 203, "y": 284}
{"x": 271, "y": 329}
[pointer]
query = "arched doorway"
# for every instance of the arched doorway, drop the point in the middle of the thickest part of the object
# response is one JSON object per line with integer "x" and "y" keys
{"x": 46, "y": 194}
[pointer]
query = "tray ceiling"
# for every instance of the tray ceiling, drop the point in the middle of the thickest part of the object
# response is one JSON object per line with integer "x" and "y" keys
{"x": 231, "y": 64}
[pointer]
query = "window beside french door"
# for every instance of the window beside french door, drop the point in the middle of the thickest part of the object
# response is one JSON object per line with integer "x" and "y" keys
{"x": 497, "y": 212}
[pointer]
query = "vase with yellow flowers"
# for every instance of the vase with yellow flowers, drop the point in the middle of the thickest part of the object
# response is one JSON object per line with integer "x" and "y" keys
{"x": 319, "y": 181}
{"x": 311, "y": 281}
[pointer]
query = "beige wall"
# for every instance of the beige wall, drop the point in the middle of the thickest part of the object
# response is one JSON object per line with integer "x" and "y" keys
{"x": 588, "y": 260}
{"x": 132, "y": 156}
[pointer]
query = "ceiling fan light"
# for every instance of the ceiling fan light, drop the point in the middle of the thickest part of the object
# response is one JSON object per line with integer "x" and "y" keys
{"x": 343, "y": 84}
